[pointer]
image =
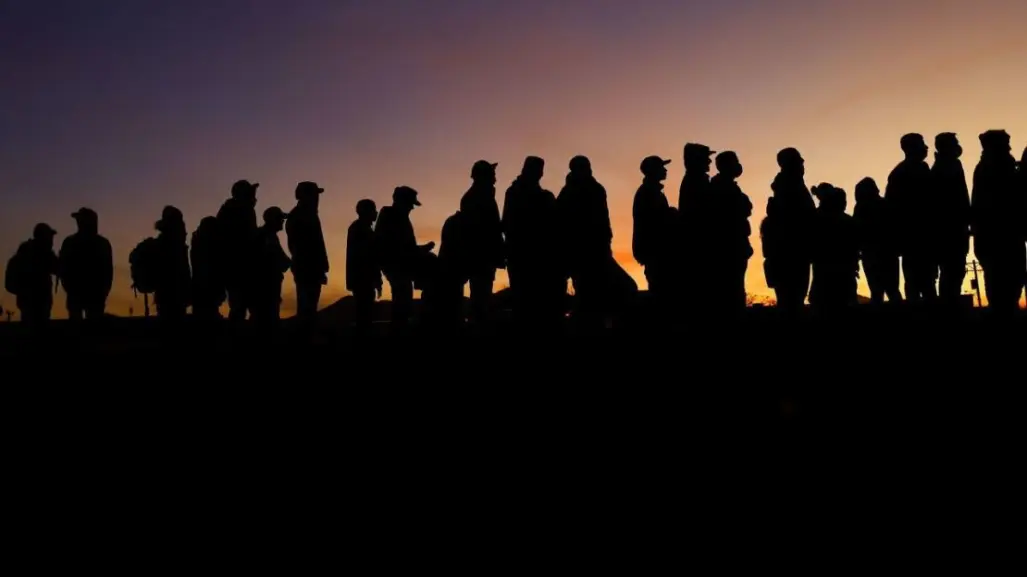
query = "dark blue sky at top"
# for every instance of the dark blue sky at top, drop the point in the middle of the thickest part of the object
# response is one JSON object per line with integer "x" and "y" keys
{"x": 127, "y": 105}
{"x": 109, "y": 92}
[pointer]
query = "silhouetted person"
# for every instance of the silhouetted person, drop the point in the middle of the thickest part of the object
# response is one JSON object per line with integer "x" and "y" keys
{"x": 271, "y": 266}
{"x": 997, "y": 217}
{"x": 909, "y": 198}
{"x": 400, "y": 256}
{"x": 951, "y": 216}
{"x": 694, "y": 205}
{"x": 654, "y": 237}
{"x": 86, "y": 265}
{"x": 728, "y": 237}
{"x": 172, "y": 294}
{"x": 363, "y": 272}
{"x": 309, "y": 255}
{"x": 1022, "y": 185}
{"x": 787, "y": 232}
{"x": 835, "y": 254}
{"x": 875, "y": 232}
{"x": 483, "y": 232}
{"x": 602, "y": 288}
{"x": 529, "y": 225}
{"x": 208, "y": 272}
{"x": 447, "y": 307}
{"x": 29, "y": 276}
{"x": 237, "y": 227}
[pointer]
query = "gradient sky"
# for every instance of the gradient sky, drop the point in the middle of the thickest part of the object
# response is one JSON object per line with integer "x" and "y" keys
{"x": 127, "y": 105}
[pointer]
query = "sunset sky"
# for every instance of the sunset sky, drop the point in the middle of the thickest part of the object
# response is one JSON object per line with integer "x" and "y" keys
{"x": 126, "y": 105}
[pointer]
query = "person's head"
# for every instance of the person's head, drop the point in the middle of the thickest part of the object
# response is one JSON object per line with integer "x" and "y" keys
{"x": 43, "y": 234}
{"x": 274, "y": 218}
{"x": 87, "y": 220}
{"x": 729, "y": 165}
{"x": 533, "y": 169}
{"x": 405, "y": 198}
{"x": 654, "y": 168}
{"x": 790, "y": 161}
{"x": 580, "y": 166}
{"x": 914, "y": 147}
{"x": 867, "y": 189}
{"x": 483, "y": 172}
{"x": 697, "y": 157}
{"x": 367, "y": 210}
{"x": 245, "y": 190}
{"x": 207, "y": 227}
{"x": 171, "y": 221}
{"x": 947, "y": 145}
{"x": 996, "y": 142}
{"x": 309, "y": 193}
{"x": 832, "y": 199}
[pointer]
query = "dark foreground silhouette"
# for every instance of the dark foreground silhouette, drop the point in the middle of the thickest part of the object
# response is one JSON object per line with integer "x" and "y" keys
{"x": 894, "y": 437}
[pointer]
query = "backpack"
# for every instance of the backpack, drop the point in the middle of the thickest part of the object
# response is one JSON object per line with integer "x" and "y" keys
{"x": 14, "y": 274}
{"x": 144, "y": 264}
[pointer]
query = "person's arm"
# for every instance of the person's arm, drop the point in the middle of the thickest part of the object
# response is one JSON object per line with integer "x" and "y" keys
{"x": 62, "y": 260}
{"x": 107, "y": 275}
{"x": 606, "y": 215}
{"x": 322, "y": 249}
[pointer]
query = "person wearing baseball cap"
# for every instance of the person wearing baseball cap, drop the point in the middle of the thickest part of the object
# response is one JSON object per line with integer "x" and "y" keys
{"x": 998, "y": 222}
{"x": 951, "y": 215}
{"x": 308, "y": 189}
{"x": 482, "y": 236}
{"x": 653, "y": 238}
{"x": 271, "y": 265}
{"x": 29, "y": 276}
{"x": 309, "y": 253}
{"x": 400, "y": 255}
{"x": 86, "y": 264}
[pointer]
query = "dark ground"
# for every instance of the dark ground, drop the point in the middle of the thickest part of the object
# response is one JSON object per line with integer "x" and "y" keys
{"x": 889, "y": 440}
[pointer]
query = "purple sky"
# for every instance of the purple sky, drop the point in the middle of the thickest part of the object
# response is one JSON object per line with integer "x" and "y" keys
{"x": 125, "y": 106}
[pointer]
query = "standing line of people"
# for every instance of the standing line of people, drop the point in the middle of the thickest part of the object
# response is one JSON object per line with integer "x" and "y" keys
{"x": 695, "y": 256}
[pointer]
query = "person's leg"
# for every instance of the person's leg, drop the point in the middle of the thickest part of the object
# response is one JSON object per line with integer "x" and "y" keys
{"x": 237, "y": 304}
{"x": 95, "y": 309}
{"x": 481, "y": 295}
{"x": 75, "y": 308}
{"x": 364, "y": 310}
{"x": 953, "y": 273}
{"x": 402, "y": 300}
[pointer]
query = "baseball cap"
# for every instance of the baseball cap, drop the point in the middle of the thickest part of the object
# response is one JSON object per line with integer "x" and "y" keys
{"x": 483, "y": 167}
{"x": 308, "y": 187}
{"x": 84, "y": 213}
{"x": 244, "y": 186}
{"x": 275, "y": 213}
{"x": 406, "y": 193}
{"x": 652, "y": 163}
{"x": 43, "y": 230}
{"x": 696, "y": 149}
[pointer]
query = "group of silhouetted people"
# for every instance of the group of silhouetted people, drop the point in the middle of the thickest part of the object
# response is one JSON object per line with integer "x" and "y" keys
{"x": 695, "y": 256}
